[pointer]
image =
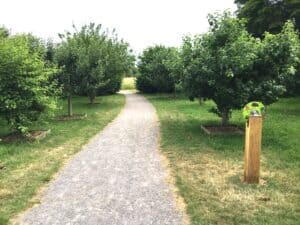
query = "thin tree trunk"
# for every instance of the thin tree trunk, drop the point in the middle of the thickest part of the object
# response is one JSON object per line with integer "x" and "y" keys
{"x": 70, "y": 109}
{"x": 92, "y": 99}
{"x": 201, "y": 101}
{"x": 174, "y": 94}
{"x": 225, "y": 117}
{"x": 92, "y": 96}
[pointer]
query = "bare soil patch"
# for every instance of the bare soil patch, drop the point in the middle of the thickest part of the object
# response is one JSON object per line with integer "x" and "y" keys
{"x": 214, "y": 129}
{"x": 32, "y": 136}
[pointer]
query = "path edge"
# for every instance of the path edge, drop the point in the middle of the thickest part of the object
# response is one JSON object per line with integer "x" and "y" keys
{"x": 17, "y": 219}
{"x": 180, "y": 204}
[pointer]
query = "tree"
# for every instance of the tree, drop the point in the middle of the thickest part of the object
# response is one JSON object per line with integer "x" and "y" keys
{"x": 231, "y": 67}
{"x": 133, "y": 71}
{"x": 24, "y": 93}
{"x": 67, "y": 58}
{"x": 157, "y": 68}
{"x": 4, "y": 32}
{"x": 50, "y": 52}
{"x": 268, "y": 15}
{"x": 271, "y": 15}
{"x": 92, "y": 62}
{"x": 119, "y": 59}
{"x": 91, "y": 49}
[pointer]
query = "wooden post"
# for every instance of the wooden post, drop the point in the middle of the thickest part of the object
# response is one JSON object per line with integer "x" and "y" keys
{"x": 252, "y": 149}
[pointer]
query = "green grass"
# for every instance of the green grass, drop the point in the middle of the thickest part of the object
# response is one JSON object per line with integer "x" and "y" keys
{"x": 208, "y": 169}
{"x": 29, "y": 166}
{"x": 128, "y": 83}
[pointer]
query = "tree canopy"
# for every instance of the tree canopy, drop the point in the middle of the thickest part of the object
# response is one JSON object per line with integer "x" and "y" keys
{"x": 158, "y": 67}
{"x": 25, "y": 93}
{"x": 4, "y": 32}
{"x": 92, "y": 61}
{"x": 268, "y": 15}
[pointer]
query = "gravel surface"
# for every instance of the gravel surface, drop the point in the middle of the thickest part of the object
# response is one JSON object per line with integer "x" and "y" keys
{"x": 118, "y": 178}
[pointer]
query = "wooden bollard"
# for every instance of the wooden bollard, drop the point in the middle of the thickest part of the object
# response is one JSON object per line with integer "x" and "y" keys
{"x": 252, "y": 149}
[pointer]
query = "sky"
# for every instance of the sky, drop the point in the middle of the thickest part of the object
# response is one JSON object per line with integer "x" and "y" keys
{"x": 142, "y": 23}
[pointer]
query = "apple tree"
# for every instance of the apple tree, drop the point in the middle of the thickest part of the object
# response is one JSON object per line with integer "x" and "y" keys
{"x": 25, "y": 93}
{"x": 231, "y": 67}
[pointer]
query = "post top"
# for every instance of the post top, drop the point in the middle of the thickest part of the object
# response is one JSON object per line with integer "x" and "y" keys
{"x": 253, "y": 109}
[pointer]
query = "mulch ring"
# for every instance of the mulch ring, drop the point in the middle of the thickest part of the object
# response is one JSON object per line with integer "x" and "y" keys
{"x": 73, "y": 117}
{"x": 17, "y": 137}
{"x": 229, "y": 129}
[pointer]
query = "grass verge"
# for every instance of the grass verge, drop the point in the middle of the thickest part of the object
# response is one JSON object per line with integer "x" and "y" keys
{"x": 25, "y": 167}
{"x": 128, "y": 83}
{"x": 208, "y": 168}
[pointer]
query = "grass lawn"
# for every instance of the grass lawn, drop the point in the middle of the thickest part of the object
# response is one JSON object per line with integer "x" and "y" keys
{"x": 128, "y": 83}
{"x": 208, "y": 169}
{"x": 25, "y": 167}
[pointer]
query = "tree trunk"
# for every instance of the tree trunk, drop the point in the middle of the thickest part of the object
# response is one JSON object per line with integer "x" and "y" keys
{"x": 70, "y": 110}
{"x": 225, "y": 117}
{"x": 200, "y": 101}
{"x": 92, "y": 95}
{"x": 92, "y": 98}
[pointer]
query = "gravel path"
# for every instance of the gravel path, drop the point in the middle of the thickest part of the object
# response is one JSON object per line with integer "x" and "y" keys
{"x": 117, "y": 178}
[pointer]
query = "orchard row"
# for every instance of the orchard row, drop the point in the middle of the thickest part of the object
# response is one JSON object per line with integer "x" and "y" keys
{"x": 227, "y": 65}
{"x": 34, "y": 74}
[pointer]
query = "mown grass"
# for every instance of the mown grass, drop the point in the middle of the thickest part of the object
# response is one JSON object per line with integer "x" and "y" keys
{"x": 208, "y": 169}
{"x": 128, "y": 83}
{"x": 25, "y": 167}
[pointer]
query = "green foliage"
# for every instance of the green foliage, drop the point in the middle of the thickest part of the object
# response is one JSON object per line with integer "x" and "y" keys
{"x": 292, "y": 84}
{"x": 50, "y": 52}
{"x": 66, "y": 57}
{"x": 25, "y": 94}
{"x": 271, "y": 16}
{"x": 92, "y": 61}
{"x": 231, "y": 67}
{"x": 36, "y": 45}
{"x": 133, "y": 72}
{"x": 158, "y": 67}
{"x": 119, "y": 61}
{"x": 268, "y": 15}
{"x": 4, "y": 32}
